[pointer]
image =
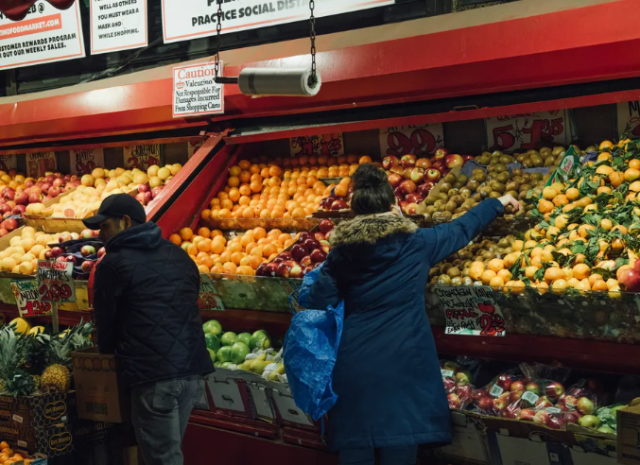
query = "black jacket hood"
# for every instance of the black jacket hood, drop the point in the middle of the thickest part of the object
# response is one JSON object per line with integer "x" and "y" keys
{"x": 146, "y": 236}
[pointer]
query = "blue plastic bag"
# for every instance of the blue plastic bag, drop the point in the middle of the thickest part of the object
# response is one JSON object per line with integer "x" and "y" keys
{"x": 310, "y": 352}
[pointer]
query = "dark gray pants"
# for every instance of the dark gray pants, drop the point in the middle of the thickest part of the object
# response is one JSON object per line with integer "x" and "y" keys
{"x": 160, "y": 412}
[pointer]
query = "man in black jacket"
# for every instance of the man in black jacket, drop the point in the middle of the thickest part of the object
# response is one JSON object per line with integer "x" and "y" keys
{"x": 146, "y": 311}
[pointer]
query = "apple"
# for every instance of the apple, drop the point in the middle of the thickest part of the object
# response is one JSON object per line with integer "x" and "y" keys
{"x": 34, "y": 198}
{"x": 45, "y": 187}
{"x": 144, "y": 188}
{"x": 423, "y": 163}
{"x": 10, "y": 224}
{"x": 542, "y": 417}
{"x": 440, "y": 153}
{"x": 48, "y": 255}
{"x": 65, "y": 237}
{"x": 319, "y": 236}
{"x": 467, "y": 158}
{"x": 87, "y": 250}
{"x": 417, "y": 174}
{"x": 517, "y": 386}
{"x": 512, "y": 411}
{"x": 585, "y": 406}
{"x": 410, "y": 209}
{"x": 87, "y": 266}
{"x": 555, "y": 422}
{"x": 454, "y": 401}
{"x": 71, "y": 259}
{"x": 449, "y": 384}
{"x": 8, "y": 193}
{"x": 390, "y": 161}
{"x": 526, "y": 414}
{"x": 630, "y": 280}
{"x": 325, "y": 226}
{"x": 298, "y": 252}
{"x": 424, "y": 189}
{"x": 499, "y": 403}
{"x": 59, "y": 182}
{"x": 570, "y": 401}
{"x": 432, "y": 175}
{"x": 478, "y": 393}
{"x": 554, "y": 390}
{"x": 229, "y": 338}
{"x": 296, "y": 272}
{"x": 452, "y": 161}
{"x": 465, "y": 391}
{"x": 101, "y": 252}
{"x": 485, "y": 404}
{"x": 53, "y": 192}
{"x": 515, "y": 396}
{"x": 272, "y": 269}
{"x": 533, "y": 387}
{"x": 318, "y": 256}
{"x": 75, "y": 236}
{"x": 306, "y": 261}
{"x": 309, "y": 245}
{"x": 22, "y": 198}
{"x": 504, "y": 381}
{"x": 606, "y": 430}
{"x": 407, "y": 187}
{"x": 408, "y": 161}
{"x": 589, "y": 421}
{"x": 543, "y": 402}
{"x": 262, "y": 270}
{"x": 86, "y": 234}
{"x": 406, "y": 174}
{"x": 339, "y": 205}
{"x": 61, "y": 259}
{"x": 572, "y": 417}
{"x": 325, "y": 203}
{"x": 306, "y": 235}
{"x": 18, "y": 210}
{"x": 284, "y": 269}
{"x": 286, "y": 255}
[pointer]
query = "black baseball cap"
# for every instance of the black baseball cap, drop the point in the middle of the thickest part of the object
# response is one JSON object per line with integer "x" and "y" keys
{"x": 116, "y": 206}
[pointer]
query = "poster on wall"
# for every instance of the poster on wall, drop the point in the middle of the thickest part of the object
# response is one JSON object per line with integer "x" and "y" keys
{"x": 328, "y": 145}
{"x": 193, "y": 146}
{"x": 186, "y": 20}
{"x": 195, "y": 92}
{"x": 141, "y": 156}
{"x": 118, "y": 25}
{"x": 629, "y": 119}
{"x": 8, "y": 162}
{"x": 420, "y": 140}
{"x": 528, "y": 131}
{"x": 85, "y": 161}
{"x": 39, "y": 163}
{"x": 45, "y": 35}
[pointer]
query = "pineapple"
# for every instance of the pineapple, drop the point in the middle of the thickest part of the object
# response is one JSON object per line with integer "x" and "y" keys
{"x": 55, "y": 378}
{"x": 15, "y": 380}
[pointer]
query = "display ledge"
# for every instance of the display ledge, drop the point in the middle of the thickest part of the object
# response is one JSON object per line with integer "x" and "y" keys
{"x": 65, "y": 317}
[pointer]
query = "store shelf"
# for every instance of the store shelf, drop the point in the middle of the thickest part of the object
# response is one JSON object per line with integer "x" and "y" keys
{"x": 577, "y": 353}
{"x": 274, "y": 323}
{"x": 65, "y": 317}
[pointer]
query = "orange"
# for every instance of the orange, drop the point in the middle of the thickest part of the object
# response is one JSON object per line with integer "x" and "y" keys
{"x": 635, "y": 164}
{"x": 631, "y": 174}
{"x": 612, "y": 285}
{"x": 581, "y": 271}
{"x": 4, "y": 445}
{"x": 606, "y": 145}
{"x": 203, "y": 269}
{"x": 236, "y": 257}
{"x": 204, "y": 245}
{"x": 517, "y": 246}
{"x": 634, "y": 186}
{"x": 192, "y": 249}
{"x": 364, "y": 160}
{"x": 584, "y": 229}
{"x": 204, "y": 232}
{"x": 186, "y": 234}
{"x": 244, "y": 164}
{"x": 504, "y": 274}
{"x": 604, "y": 169}
{"x": 604, "y": 156}
{"x": 572, "y": 193}
{"x": 559, "y": 286}
{"x": 496, "y": 282}
{"x": 620, "y": 228}
{"x": 616, "y": 178}
{"x": 496, "y": 265}
{"x": 593, "y": 278}
{"x": 229, "y": 268}
{"x": 487, "y": 276}
{"x": 530, "y": 272}
{"x": 549, "y": 193}
{"x": 600, "y": 285}
{"x": 259, "y": 233}
{"x": 476, "y": 270}
{"x": 176, "y": 239}
{"x": 545, "y": 206}
{"x": 554, "y": 274}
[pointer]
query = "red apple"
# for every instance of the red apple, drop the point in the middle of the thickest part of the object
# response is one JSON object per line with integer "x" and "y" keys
{"x": 554, "y": 390}
{"x": 339, "y": 205}
{"x": 406, "y": 174}
{"x": 325, "y": 226}
{"x": 585, "y": 406}
{"x": 306, "y": 261}
{"x": 65, "y": 237}
{"x": 449, "y": 384}
{"x": 432, "y": 175}
{"x": 499, "y": 403}
{"x": 543, "y": 402}
{"x": 22, "y": 198}
{"x": 417, "y": 174}
{"x": 407, "y": 187}
{"x": 144, "y": 188}
{"x": 286, "y": 255}
{"x": 86, "y": 234}
{"x": 517, "y": 386}
{"x": 56, "y": 252}
{"x": 423, "y": 163}
{"x": 424, "y": 189}
{"x": 555, "y": 423}
{"x": 526, "y": 414}
{"x": 319, "y": 236}
{"x": 272, "y": 269}
{"x": 310, "y": 245}
{"x": 408, "y": 161}
{"x": 305, "y": 235}
{"x": 390, "y": 161}
{"x": 101, "y": 252}
{"x": 284, "y": 269}
{"x": 394, "y": 179}
{"x": 504, "y": 381}
{"x": 3, "y": 232}
{"x": 454, "y": 401}
{"x": 533, "y": 387}
{"x": 298, "y": 252}
{"x": 440, "y": 153}
{"x": 296, "y": 272}
{"x": 70, "y": 259}
{"x": 515, "y": 396}
{"x": 630, "y": 280}
{"x": 18, "y": 210}
{"x": 87, "y": 266}
{"x": 453, "y": 160}
{"x": 570, "y": 401}
{"x": 318, "y": 256}
{"x": 467, "y": 158}
{"x": 542, "y": 417}
{"x": 571, "y": 417}
{"x": 61, "y": 259}
{"x": 485, "y": 403}
{"x": 59, "y": 182}
{"x": 87, "y": 250}
{"x": 54, "y": 192}
{"x": 10, "y": 224}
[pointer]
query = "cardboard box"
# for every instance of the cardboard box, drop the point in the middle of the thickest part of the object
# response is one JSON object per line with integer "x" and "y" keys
{"x": 629, "y": 435}
{"x": 581, "y": 457}
{"x": 229, "y": 394}
{"x": 468, "y": 441}
{"x": 38, "y": 411}
{"x": 522, "y": 451}
{"x": 99, "y": 397}
{"x": 54, "y": 441}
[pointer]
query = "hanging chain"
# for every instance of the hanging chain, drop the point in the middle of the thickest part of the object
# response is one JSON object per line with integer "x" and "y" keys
{"x": 218, "y": 32}
{"x": 313, "y": 79}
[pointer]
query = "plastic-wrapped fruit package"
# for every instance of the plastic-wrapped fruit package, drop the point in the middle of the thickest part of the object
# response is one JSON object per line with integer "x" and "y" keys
{"x": 457, "y": 383}
{"x": 581, "y": 401}
{"x": 497, "y": 397}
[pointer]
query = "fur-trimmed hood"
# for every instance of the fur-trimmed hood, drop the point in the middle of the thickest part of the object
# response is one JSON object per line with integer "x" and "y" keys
{"x": 368, "y": 229}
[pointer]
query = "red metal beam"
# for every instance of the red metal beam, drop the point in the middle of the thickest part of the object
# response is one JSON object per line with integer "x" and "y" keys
{"x": 557, "y": 48}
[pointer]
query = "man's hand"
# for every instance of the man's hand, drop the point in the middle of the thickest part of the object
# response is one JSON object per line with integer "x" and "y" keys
{"x": 509, "y": 199}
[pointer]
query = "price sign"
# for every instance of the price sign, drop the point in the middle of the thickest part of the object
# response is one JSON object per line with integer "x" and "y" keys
{"x": 417, "y": 140}
{"x": 193, "y": 146}
{"x": 567, "y": 169}
{"x": 629, "y": 119}
{"x": 471, "y": 311}
{"x": 141, "y": 156}
{"x": 85, "y": 161}
{"x": 8, "y": 162}
{"x": 55, "y": 281}
{"x": 208, "y": 298}
{"x": 328, "y": 145}
{"x": 527, "y": 131}
{"x": 39, "y": 163}
{"x": 28, "y": 299}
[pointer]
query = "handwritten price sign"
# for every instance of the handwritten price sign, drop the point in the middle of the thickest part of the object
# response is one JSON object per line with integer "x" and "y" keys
{"x": 528, "y": 131}
{"x": 28, "y": 299}
{"x": 141, "y": 156}
{"x": 471, "y": 311}
{"x": 8, "y": 162}
{"x": 85, "y": 161}
{"x": 55, "y": 281}
{"x": 208, "y": 298}
{"x": 39, "y": 163}
{"x": 417, "y": 140}
{"x": 328, "y": 145}
{"x": 629, "y": 119}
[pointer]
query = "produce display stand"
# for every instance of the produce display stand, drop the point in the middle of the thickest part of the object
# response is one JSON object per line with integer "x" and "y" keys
{"x": 410, "y": 78}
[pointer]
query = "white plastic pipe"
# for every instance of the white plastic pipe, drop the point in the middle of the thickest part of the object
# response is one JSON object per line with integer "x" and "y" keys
{"x": 292, "y": 82}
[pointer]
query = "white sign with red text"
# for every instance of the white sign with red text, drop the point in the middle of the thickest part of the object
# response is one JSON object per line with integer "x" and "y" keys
{"x": 193, "y": 19}
{"x": 629, "y": 119}
{"x": 417, "y": 140}
{"x": 118, "y": 25}
{"x": 39, "y": 163}
{"x": 45, "y": 35}
{"x": 8, "y": 162}
{"x": 141, "y": 156}
{"x": 85, "y": 161}
{"x": 195, "y": 91}
{"x": 529, "y": 131}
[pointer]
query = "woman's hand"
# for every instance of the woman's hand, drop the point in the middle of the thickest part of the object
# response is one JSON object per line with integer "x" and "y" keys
{"x": 509, "y": 199}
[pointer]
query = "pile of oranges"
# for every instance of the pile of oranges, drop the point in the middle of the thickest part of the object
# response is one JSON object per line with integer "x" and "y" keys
{"x": 281, "y": 188}
{"x": 7, "y": 455}
{"x": 214, "y": 253}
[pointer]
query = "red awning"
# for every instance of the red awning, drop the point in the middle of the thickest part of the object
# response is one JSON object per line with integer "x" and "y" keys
{"x": 17, "y": 9}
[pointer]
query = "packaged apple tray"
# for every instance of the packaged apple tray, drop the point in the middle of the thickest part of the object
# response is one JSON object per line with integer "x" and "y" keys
{"x": 83, "y": 253}
{"x": 550, "y": 396}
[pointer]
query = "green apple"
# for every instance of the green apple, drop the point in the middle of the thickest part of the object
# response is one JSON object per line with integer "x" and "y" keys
{"x": 229, "y": 338}
{"x": 226, "y": 364}
{"x": 245, "y": 337}
{"x": 212, "y": 341}
{"x": 217, "y": 364}
{"x": 224, "y": 354}
{"x": 262, "y": 336}
{"x": 606, "y": 429}
{"x": 213, "y": 327}
{"x": 212, "y": 355}
{"x": 239, "y": 352}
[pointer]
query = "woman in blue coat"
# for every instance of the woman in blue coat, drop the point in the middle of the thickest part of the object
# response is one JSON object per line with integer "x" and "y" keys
{"x": 387, "y": 376}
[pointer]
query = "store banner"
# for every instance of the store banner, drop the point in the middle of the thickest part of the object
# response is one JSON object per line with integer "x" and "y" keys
{"x": 629, "y": 119}
{"x": 141, "y": 156}
{"x": 39, "y": 163}
{"x": 193, "y": 19}
{"x": 420, "y": 140}
{"x": 8, "y": 162}
{"x": 470, "y": 311}
{"x": 118, "y": 25}
{"x": 328, "y": 145}
{"x": 46, "y": 35}
{"x": 85, "y": 161}
{"x": 28, "y": 299}
{"x": 195, "y": 92}
{"x": 528, "y": 131}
